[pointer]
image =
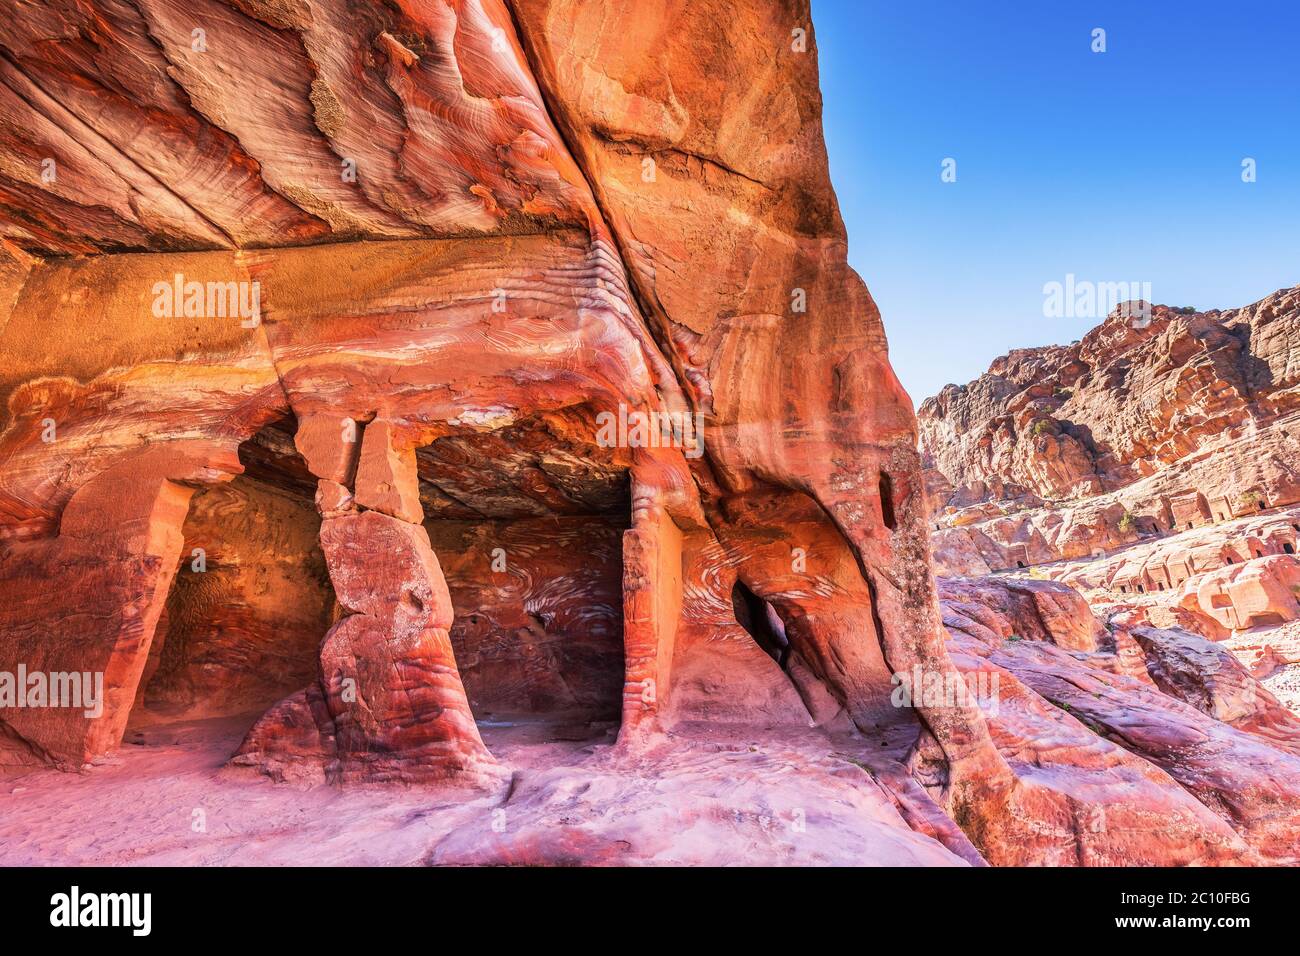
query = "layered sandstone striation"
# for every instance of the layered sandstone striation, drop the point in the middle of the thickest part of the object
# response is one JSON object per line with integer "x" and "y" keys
{"x": 474, "y": 231}
{"x": 353, "y": 315}
{"x": 1126, "y": 690}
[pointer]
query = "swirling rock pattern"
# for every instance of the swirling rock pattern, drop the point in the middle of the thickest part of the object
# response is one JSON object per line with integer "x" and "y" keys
{"x": 398, "y": 267}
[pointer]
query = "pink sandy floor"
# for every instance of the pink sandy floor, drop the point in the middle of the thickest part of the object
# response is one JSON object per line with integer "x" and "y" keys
{"x": 783, "y": 797}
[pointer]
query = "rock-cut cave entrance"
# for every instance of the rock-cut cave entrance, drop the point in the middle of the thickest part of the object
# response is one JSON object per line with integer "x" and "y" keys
{"x": 527, "y": 523}
{"x": 528, "y": 530}
{"x": 251, "y": 599}
{"x": 761, "y": 621}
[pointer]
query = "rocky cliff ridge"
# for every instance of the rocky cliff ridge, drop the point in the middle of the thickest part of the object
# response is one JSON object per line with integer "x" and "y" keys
{"x": 1140, "y": 428}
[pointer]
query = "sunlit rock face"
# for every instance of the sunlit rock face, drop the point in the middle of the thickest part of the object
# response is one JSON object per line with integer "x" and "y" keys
{"x": 1175, "y": 421}
{"x": 1148, "y": 466}
{"x": 392, "y": 374}
{"x": 1174, "y": 715}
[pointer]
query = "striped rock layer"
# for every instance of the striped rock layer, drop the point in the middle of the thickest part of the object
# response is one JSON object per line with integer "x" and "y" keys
{"x": 314, "y": 319}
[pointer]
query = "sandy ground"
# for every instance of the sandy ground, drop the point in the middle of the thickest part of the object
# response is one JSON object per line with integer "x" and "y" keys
{"x": 166, "y": 798}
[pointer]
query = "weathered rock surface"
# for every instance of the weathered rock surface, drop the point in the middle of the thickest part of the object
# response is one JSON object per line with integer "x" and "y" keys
{"x": 1219, "y": 736}
{"x": 1097, "y": 801}
{"x": 567, "y": 290}
{"x": 1251, "y": 785}
{"x": 388, "y": 671}
{"x": 539, "y": 614}
{"x": 247, "y": 609}
{"x": 1127, "y": 401}
{"x": 1264, "y": 591}
{"x": 1210, "y": 677}
{"x": 801, "y": 800}
{"x": 551, "y": 326}
{"x": 1062, "y": 451}
{"x": 1169, "y": 562}
{"x": 348, "y": 122}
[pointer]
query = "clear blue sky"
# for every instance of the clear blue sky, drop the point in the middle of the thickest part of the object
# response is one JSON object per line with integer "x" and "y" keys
{"x": 1115, "y": 166}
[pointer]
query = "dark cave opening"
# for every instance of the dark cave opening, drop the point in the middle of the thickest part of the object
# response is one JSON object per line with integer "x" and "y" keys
{"x": 887, "y": 500}
{"x": 761, "y": 621}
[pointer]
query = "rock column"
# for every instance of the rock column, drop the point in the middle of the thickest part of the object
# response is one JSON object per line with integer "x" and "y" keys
{"x": 392, "y": 696}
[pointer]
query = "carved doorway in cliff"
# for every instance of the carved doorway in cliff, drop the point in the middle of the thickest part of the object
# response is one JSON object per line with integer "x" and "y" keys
{"x": 251, "y": 600}
{"x": 527, "y": 523}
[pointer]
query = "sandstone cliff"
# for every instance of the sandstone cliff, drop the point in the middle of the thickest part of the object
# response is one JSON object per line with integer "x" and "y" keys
{"x": 1150, "y": 466}
{"x": 315, "y": 316}
{"x": 1140, "y": 428}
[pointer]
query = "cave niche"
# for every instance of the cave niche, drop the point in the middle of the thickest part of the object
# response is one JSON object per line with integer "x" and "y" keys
{"x": 528, "y": 523}
{"x": 251, "y": 599}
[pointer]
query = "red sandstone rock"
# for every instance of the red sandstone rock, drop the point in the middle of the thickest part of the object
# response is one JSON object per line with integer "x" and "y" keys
{"x": 334, "y": 500}
{"x": 1237, "y": 760}
{"x": 1127, "y": 402}
{"x": 87, "y": 602}
{"x": 397, "y": 709}
{"x": 1210, "y": 678}
{"x": 247, "y": 609}
{"x": 556, "y": 217}
{"x": 1037, "y": 610}
{"x": 330, "y": 446}
{"x": 1266, "y": 650}
{"x": 460, "y": 338}
{"x": 995, "y": 610}
{"x": 538, "y": 626}
{"x": 328, "y": 133}
{"x": 1139, "y": 430}
{"x": 386, "y": 476}
{"x": 293, "y": 741}
{"x": 1262, "y": 591}
{"x": 1249, "y": 784}
{"x": 1099, "y": 804}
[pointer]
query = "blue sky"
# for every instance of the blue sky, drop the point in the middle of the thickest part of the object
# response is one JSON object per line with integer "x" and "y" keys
{"x": 1122, "y": 166}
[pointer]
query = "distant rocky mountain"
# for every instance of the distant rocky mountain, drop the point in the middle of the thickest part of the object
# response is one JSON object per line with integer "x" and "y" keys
{"x": 1140, "y": 428}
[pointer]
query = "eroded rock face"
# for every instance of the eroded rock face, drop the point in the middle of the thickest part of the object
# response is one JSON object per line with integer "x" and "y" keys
{"x": 544, "y": 308}
{"x": 538, "y": 627}
{"x": 1137, "y": 429}
{"x": 1114, "y": 806}
{"x": 1238, "y": 775}
{"x": 350, "y": 121}
{"x": 247, "y": 608}
{"x": 1174, "y": 700}
{"x": 1209, "y": 676}
{"x": 388, "y": 672}
{"x": 549, "y": 336}
{"x": 1259, "y": 592}
{"x": 87, "y": 603}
